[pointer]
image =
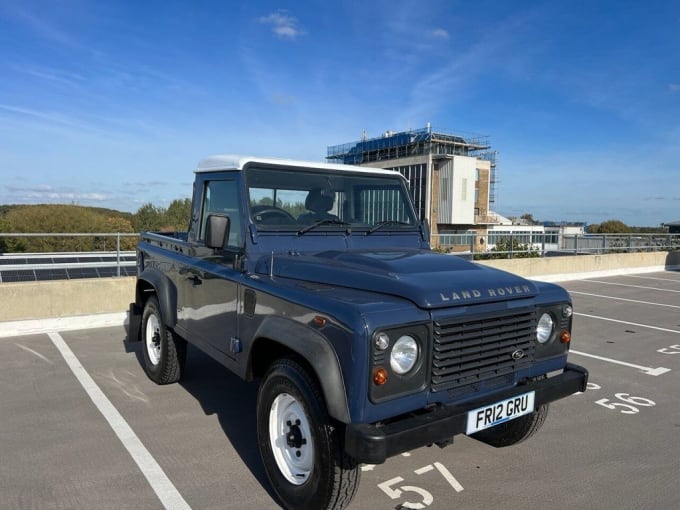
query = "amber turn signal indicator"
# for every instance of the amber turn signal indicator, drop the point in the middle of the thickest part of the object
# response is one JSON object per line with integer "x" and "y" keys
{"x": 379, "y": 376}
{"x": 565, "y": 337}
{"x": 319, "y": 321}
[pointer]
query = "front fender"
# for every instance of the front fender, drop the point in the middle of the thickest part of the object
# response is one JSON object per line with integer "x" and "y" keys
{"x": 318, "y": 352}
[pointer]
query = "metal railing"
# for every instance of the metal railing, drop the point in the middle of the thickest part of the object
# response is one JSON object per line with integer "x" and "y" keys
{"x": 539, "y": 244}
{"x": 23, "y": 262}
{"x": 619, "y": 243}
{"x": 497, "y": 245}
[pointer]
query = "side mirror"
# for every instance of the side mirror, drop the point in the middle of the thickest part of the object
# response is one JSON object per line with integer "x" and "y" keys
{"x": 217, "y": 231}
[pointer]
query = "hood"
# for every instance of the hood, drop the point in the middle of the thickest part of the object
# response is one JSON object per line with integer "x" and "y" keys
{"x": 428, "y": 279}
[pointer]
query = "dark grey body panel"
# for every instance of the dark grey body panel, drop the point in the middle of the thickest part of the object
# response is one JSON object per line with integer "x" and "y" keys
{"x": 202, "y": 302}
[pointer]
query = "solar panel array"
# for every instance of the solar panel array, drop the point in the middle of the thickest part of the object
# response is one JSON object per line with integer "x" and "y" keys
{"x": 41, "y": 267}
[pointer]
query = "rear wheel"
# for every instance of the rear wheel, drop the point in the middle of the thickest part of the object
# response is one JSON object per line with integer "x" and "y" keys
{"x": 301, "y": 449}
{"x": 164, "y": 352}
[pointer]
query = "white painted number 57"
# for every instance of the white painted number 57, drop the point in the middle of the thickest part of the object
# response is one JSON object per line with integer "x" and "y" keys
{"x": 396, "y": 493}
{"x": 425, "y": 497}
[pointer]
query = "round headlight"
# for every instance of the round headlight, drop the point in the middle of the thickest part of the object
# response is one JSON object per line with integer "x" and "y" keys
{"x": 567, "y": 311}
{"x": 544, "y": 328}
{"x": 404, "y": 354}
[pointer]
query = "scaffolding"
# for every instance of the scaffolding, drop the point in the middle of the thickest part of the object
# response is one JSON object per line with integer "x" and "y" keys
{"x": 413, "y": 143}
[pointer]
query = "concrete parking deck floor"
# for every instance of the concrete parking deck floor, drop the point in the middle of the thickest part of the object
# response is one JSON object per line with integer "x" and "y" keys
{"x": 615, "y": 446}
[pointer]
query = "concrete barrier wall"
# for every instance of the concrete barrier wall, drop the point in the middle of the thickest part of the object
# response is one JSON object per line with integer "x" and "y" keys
{"x": 556, "y": 269}
{"x": 65, "y": 298}
{"x": 68, "y": 298}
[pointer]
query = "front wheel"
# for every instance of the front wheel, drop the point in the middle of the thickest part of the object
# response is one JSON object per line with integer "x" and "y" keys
{"x": 301, "y": 448}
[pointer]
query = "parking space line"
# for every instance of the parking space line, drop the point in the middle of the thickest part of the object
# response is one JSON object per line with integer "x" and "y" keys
{"x": 653, "y": 278}
{"x": 628, "y": 285}
{"x": 647, "y": 370}
{"x": 160, "y": 483}
{"x": 628, "y": 323}
{"x": 623, "y": 299}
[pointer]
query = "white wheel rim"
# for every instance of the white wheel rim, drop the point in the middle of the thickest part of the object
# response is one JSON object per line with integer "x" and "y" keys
{"x": 153, "y": 339}
{"x": 290, "y": 439}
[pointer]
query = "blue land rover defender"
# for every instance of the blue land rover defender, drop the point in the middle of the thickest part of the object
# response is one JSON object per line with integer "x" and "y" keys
{"x": 318, "y": 281}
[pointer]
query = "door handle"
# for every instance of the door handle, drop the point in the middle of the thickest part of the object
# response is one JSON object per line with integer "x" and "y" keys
{"x": 194, "y": 279}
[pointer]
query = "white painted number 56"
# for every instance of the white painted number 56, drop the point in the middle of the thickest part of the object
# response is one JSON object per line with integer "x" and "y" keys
{"x": 628, "y": 403}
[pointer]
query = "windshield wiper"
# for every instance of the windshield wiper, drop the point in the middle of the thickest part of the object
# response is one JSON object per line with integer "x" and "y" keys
{"x": 382, "y": 224}
{"x": 327, "y": 221}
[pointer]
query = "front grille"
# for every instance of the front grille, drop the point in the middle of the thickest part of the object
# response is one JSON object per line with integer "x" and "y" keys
{"x": 472, "y": 352}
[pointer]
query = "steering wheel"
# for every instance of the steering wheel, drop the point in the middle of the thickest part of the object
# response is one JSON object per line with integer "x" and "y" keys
{"x": 270, "y": 215}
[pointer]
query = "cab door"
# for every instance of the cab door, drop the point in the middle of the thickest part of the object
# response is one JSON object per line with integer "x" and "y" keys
{"x": 208, "y": 288}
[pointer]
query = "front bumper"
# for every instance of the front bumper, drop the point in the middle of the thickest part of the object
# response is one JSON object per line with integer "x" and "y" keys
{"x": 372, "y": 444}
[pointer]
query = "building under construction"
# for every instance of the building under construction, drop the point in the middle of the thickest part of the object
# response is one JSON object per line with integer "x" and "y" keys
{"x": 452, "y": 178}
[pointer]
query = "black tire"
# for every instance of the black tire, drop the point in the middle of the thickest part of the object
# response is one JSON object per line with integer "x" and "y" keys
{"x": 164, "y": 351}
{"x": 308, "y": 469}
{"x": 514, "y": 431}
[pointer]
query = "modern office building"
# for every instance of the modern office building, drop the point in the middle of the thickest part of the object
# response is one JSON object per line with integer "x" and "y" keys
{"x": 452, "y": 178}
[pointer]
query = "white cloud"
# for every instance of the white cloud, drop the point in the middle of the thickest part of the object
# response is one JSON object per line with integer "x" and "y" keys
{"x": 283, "y": 25}
{"x": 42, "y": 27}
{"x": 51, "y": 75}
{"x": 45, "y": 192}
{"x": 674, "y": 87}
{"x": 47, "y": 116}
{"x": 439, "y": 33}
{"x": 38, "y": 188}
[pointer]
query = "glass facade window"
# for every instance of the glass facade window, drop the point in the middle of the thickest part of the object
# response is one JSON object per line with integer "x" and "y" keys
{"x": 416, "y": 176}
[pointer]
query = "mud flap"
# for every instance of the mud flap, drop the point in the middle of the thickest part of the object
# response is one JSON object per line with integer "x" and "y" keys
{"x": 134, "y": 323}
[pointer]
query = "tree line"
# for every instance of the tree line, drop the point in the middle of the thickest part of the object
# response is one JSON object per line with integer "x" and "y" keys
{"x": 59, "y": 218}
{"x": 619, "y": 227}
{"x": 606, "y": 227}
{"x": 55, "y": 218}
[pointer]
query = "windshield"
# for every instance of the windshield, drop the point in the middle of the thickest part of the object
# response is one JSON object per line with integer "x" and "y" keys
{"x": 297, "y": 199}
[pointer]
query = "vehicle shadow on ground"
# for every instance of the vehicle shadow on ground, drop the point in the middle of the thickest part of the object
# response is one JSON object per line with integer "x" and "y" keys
{"x": 226, "y": 396}
{"x": 233, "y": 401}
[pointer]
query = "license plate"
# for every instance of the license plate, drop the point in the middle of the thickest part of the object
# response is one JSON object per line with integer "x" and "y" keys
{"x": 500, "y": 412}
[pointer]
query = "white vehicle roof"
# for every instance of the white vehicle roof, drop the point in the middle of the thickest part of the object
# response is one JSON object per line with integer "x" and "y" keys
{"x": 236, "y": 162}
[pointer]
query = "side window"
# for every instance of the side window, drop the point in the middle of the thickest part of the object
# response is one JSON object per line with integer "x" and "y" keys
{"x": 222, "y": 197}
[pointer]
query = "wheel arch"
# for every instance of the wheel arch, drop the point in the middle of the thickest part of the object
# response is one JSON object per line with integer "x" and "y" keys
{"x": 152, "y": 281}
{"x": 278, "y": 337}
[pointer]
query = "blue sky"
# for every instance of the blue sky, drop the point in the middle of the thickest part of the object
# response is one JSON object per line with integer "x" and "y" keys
{"x": 113, "y": 103}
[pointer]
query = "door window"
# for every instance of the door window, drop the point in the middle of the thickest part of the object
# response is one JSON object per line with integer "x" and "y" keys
{"x": 222, "y": 197}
